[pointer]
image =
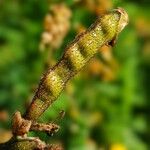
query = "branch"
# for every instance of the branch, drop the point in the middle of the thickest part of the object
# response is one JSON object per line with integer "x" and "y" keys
{"x": 103, "y": 32}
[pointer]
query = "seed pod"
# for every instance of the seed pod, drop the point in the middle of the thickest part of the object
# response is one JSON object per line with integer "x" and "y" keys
{"x": 104, "y": 31}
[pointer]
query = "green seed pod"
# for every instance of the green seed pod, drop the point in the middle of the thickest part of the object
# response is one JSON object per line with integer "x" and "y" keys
{"x": 77, "y": 54}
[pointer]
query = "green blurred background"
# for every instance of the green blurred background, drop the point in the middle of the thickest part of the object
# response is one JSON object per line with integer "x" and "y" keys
{"x": 107, "y": 103}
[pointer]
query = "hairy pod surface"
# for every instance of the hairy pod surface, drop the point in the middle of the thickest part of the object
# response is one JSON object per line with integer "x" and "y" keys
{"x": 76, "y": 55}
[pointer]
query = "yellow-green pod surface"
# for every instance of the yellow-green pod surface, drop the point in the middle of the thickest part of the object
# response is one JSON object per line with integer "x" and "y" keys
{"x": 76, "y": 56}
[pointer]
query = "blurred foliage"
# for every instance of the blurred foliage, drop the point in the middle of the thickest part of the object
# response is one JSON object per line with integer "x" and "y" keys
{"x": 107, "y": 104}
